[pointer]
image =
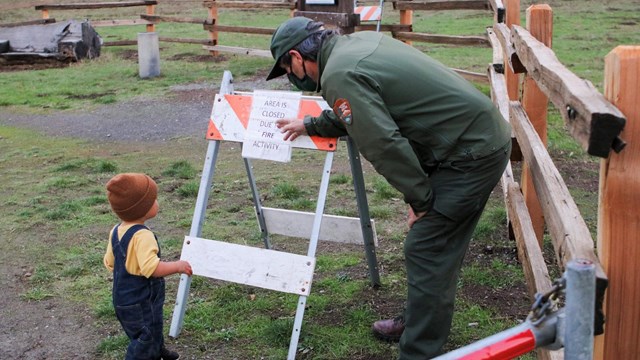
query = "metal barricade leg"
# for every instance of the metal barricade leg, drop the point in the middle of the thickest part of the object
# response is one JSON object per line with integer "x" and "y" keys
{"x": 196, "y": 229}
{"x": 208, "y": 170}
{"x": 363, "y": 212}
{"x": 313, "y": 244}
{"x": 257, "y": 204}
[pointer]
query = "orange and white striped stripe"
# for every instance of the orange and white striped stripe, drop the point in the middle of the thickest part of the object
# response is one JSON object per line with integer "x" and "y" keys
{"x": 369, "y": 13}
{"x": 230, "y": 118}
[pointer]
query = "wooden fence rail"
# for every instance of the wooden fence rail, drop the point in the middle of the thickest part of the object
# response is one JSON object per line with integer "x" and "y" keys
{"x": 597, "y": 125}
{"x": 521, "y": 58}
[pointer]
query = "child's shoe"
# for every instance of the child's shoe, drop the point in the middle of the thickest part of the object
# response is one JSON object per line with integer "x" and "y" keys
{"x": 166, "y": 354}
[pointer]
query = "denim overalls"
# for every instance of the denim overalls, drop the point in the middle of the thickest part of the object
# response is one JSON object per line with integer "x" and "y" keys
{"x": 138, "y": 302}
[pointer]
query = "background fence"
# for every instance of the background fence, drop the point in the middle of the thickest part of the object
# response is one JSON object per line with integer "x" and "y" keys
{"x": 525, "y": 76}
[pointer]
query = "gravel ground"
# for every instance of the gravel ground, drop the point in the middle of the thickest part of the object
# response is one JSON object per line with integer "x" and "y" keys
{"x": 184, "y": 113}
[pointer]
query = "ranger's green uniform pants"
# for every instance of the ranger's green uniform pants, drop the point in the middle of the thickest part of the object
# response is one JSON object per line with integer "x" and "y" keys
{"x": 435, "y": 247}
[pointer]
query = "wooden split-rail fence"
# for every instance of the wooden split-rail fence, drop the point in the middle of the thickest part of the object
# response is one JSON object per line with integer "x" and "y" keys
{"x": 213, "y": 24}
{"x": 525, "y": 76}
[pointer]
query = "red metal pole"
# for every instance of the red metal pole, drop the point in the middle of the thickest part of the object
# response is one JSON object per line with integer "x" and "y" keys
{"x": 507, "y": 348}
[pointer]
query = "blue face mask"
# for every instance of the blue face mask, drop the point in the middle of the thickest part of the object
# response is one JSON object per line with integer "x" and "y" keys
{"x": 304, "y": 84}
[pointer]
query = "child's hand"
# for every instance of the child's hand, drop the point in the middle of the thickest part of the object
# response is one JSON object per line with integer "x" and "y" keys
{"x": 184, "y": 267}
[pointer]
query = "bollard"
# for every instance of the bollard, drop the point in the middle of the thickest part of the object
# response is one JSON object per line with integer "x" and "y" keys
{"x": 148, "y": 55}
{"x": 579, "y": 310}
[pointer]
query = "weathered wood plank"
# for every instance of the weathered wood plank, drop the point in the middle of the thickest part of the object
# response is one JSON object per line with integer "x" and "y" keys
{"x": 592, "y": 120}
{"x": 264, "y": 268}
{"x": 101, "y": 5}
{"x": 570, "y": 234}
{"x": 497, "y": 59}
{"x": 239, "y": 50}
{"x": 123, "y": 22}
{"x": 442, "y": 5}
{"x": 443, "y": 39}
{"x": 185, "y": 40}
{"x": 120, "y": 43}
{"x": 239, "y": 29}
{"x": 155, "y": 19}
{"x": 499, "y": 92}
{"x": 500, "y": 98}
{"x": 249, "y": 4}
{"x": 529, "y": 252}
{"x": 498, "y": 9}
{"x": 503, "y": 34}
{"x": 472, "y": 76}
{"x": 393, "y": 28}
{"x": 30, "y": 22}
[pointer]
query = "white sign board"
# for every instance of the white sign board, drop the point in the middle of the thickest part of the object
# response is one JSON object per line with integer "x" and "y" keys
{"x": 267, "y": 269}
{"x": 263, "y": 140}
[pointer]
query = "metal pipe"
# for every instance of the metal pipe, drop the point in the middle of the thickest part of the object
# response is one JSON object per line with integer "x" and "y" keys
{"x": 512, "y": 342}
{"x": 579, "y": 309}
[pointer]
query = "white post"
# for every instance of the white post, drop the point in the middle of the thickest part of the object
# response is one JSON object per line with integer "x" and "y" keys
{"x": 148, "y": 55}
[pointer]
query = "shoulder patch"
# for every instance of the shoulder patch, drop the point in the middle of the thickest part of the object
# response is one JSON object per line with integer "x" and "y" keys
{"x": 342, "y": 109}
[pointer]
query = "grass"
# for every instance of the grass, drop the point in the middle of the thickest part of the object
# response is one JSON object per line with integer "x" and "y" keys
{"x": 53, "y": 201}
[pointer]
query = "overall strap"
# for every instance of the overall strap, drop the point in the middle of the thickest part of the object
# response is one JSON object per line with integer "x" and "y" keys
{"x": 123, "y": 244}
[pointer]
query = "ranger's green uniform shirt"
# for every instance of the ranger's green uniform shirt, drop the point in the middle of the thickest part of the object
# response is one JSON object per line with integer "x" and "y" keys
{"x": 405, "y": 111}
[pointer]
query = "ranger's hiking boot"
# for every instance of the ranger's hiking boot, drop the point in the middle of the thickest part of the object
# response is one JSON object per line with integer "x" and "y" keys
{"x": 166, "y": 354}
{"x": 389, "y": 330}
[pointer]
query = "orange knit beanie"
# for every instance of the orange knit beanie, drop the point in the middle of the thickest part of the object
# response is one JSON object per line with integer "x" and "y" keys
{"x": 131, "y": 195}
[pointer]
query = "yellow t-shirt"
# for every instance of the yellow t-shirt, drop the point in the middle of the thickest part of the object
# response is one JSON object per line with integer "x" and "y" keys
{"x": 142, "y": 254}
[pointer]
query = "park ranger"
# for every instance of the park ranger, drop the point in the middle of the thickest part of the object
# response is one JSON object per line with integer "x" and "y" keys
{"x": 430, "y": 133}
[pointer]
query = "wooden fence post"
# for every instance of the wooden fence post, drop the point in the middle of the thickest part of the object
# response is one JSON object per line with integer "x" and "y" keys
{"x": 151, "y": 11}
{"x": 213, "y": 19}
{"x": 535, "y": 102}
{"x": 618, "y": 215}
{"x": 512, "y": 9}
{"x": 406, "y": 18}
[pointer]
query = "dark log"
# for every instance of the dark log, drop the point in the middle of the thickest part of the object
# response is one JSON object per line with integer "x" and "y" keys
{"x": 67, "y": 41}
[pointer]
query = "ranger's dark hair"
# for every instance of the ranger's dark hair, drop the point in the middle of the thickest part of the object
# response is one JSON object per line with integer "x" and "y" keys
{"x": 310, "y": 46}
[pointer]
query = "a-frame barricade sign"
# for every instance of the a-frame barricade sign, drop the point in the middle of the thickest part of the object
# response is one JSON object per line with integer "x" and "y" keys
{"x": 267, "y": 268}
